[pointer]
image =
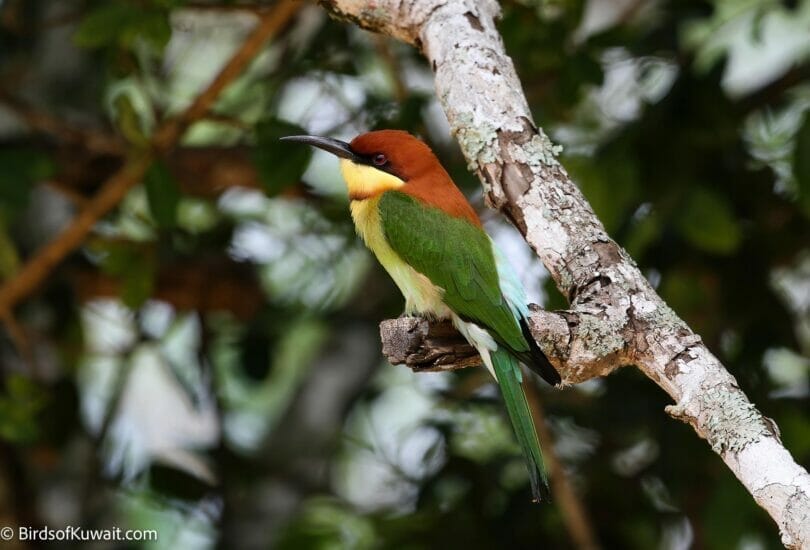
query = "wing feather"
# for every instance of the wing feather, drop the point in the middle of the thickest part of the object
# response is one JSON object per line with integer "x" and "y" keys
{"x": 456, "y": 256}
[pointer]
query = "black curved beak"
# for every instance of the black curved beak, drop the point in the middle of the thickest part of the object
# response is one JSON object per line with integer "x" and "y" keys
{"x": 334, "y": 146}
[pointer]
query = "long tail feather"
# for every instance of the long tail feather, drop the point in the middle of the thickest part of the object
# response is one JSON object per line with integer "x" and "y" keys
{"x": 507, "y": 371}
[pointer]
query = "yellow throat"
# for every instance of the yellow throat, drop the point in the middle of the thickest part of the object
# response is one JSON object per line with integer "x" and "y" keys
{"x": 366, "y": 181}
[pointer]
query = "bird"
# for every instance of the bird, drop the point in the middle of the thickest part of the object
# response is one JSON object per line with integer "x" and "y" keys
{"x": 427, "y": 236}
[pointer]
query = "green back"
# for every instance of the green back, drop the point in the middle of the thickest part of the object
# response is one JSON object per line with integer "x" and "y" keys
{"x": 456, "y": 256}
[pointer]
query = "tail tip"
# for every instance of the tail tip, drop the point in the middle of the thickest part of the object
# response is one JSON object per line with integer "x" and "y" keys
{"x": 540, "y": 490}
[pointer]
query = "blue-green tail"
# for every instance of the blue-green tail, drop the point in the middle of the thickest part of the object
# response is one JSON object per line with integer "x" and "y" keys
{"x": 507, "y": 371}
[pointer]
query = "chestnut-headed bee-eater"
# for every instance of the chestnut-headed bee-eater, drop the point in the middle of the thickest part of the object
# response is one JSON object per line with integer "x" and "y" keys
{"x": 426, "y": 235}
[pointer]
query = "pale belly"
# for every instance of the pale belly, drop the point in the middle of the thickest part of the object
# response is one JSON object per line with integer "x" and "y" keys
{"x": 421, "y": 295}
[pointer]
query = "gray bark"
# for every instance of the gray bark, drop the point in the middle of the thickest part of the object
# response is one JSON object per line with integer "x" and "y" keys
{"x": 615, "y": 316}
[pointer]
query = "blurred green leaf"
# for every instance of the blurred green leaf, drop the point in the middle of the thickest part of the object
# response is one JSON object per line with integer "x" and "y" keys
{"x": 682, "y": 289}
{"x": 280, "y": 164}
{"x": 801, "y": 165}
{"x": 554, "y": 299}
{"x": 644, "y": 231}
{"x": 610, "y": 183}
{"x": 708, "y": 222}
{"x": 105, "y": 24}
{"x": 329, "y": 524}
{"x": 578, "y": 71}
{"x": 132, "y": 265}
{"x": 153, "y": 27}
{"x": 9, "y": 259}
{"x": 162, "y": 194}
{"x": 197, "y": 215}
{"x": 729, "y": 513}
{"x": 482, "y": 436}
{"x": 19, "y": 170}
{"x": 795, "y": 428}
{"x": 138, "y": 285}
{"x": 129, "y": 122}
{"x": 19, "y": 406}
{"x": 122, "y": 23}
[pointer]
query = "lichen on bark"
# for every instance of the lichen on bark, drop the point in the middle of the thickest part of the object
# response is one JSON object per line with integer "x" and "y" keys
{"x": 476, "y": 141}
{"x": 732, "y": 422}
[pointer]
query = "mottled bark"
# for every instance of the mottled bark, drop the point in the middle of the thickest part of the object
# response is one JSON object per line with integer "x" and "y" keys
{"x": 615, "y": 316}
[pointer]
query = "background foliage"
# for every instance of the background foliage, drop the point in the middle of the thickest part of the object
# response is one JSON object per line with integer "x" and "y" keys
{"x": 207, "y": 363}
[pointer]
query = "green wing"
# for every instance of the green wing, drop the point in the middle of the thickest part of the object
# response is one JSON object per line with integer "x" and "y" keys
{"x": 456, "y": 256}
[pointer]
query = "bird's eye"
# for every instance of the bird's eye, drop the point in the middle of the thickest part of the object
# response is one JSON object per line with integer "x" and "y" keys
{"x": 380, "y": 159}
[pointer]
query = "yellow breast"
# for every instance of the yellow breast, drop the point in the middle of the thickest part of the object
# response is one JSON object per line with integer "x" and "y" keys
{"x": 421, "y": 295}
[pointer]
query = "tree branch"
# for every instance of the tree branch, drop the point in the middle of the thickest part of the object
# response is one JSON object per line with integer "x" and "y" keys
{"x": 426, "y": 347}
{"x": 118, "y": 185}
{"x": 615, "y": 317}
